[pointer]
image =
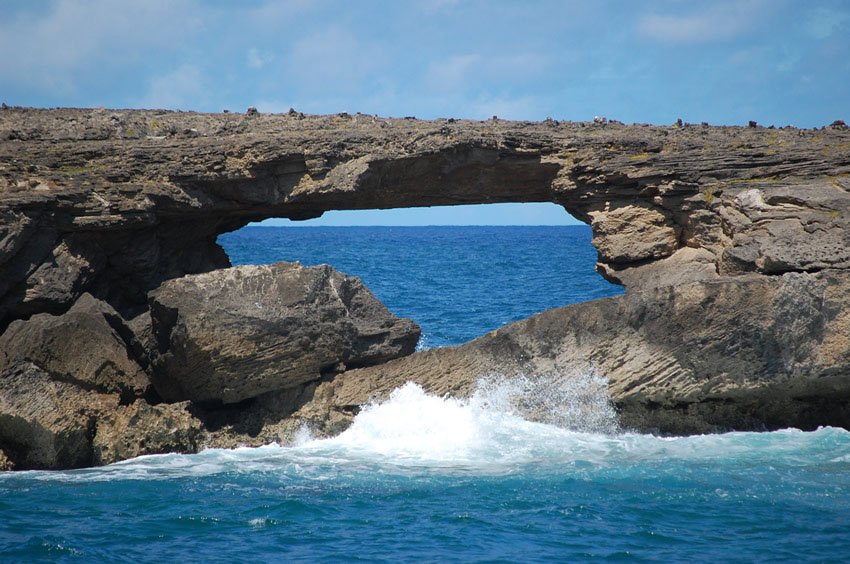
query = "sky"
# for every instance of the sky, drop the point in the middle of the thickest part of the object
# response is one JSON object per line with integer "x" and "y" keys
{"x": 654, "y": 61}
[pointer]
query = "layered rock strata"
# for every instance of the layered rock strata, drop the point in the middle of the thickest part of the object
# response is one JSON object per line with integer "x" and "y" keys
{"x": 80, "y": 389}
{"x": 701, "y": 224}
{"x": 237, "y": 333}
{"x": 747, "y": 353}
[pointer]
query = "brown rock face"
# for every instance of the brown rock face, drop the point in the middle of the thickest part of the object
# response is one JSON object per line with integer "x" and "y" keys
{"x": 83, "y": 346}
{"x": 748, "y": 353}
{"x": 140, "y": 429}
{"x": 46, "y": 423}
{"x": 733, "y": 243}
{"x": 237, "y": 333}
{"x": 634, "y": 233}
{"x": 5, "y": 463}
{"x": 85, "y": 207}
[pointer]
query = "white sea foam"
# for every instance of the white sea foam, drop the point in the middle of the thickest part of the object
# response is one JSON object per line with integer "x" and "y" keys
{"x": 507, "y": 421}
{"x": 509, "y": 425}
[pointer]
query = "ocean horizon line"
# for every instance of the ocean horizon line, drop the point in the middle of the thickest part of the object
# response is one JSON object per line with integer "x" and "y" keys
{"x": 431, "y": 225}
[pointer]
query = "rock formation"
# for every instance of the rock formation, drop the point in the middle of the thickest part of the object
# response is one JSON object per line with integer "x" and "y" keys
{"x": 729, "y": 240}
{"x": 84, "y": 346}
{"x": 237, "y": 333}
{"x": 747, "y": 352}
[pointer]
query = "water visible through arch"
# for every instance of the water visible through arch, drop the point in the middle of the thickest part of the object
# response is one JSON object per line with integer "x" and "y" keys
{"x": 456, "y": 281}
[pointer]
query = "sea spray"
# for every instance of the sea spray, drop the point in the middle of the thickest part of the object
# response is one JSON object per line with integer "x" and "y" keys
{"x": 508, "y": 421}
{"x": 569, "y": 496}
{"x": 576, "y": 399}
{"x": 538, "y": 492}
{"x": 547, "y": 422}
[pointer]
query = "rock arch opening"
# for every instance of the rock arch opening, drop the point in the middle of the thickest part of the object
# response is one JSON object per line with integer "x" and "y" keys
{"x": 733, "y": 243}
{"x": 458, "y": 272}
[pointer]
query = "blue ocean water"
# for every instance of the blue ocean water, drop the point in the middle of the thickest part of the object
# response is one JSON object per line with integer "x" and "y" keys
{"x": 456, "y": 282}
{"x": 437, "y": 479}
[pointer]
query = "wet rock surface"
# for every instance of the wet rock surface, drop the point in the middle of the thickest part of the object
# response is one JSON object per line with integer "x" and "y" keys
{"x": 742, "y": 353}
{"x": 732, "y": 242}
{"x": 141, "y": 428}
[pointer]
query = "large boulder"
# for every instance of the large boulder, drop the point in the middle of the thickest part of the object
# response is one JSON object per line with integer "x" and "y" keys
{"x": 46, "y": 423}
{"x": 236, "y": 333}
{"x": 88, "y": 345}
{"x": 735, "y": 353}
{"x": 50, "y": 423}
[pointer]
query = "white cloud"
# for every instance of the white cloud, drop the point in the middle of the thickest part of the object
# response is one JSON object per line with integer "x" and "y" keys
{"x": 335, "y": 59}
{"x": 48, "y": 50}
{"x": 183, "y": 88}
{"x": 719, "y": 21}
{"x": 459, "y": 72}
{"x": 256, "y": 59}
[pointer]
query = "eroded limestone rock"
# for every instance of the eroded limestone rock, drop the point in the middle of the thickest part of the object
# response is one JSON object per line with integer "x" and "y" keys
{"x": 747, "y": 352}
{"x": 46, "y": 423}
{"x": 139, "y": 429}
{"x": 86, "y": 208}
{"x": 731, "y": 241}
{"x": 5, "y": 463}
{"x": 634, "y": 233}
{"x": 237, "y": 333}
{"x": 83, "y": 346}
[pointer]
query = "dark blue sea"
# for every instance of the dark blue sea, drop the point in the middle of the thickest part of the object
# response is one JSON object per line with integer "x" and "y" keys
{"x": 437, "y": 479}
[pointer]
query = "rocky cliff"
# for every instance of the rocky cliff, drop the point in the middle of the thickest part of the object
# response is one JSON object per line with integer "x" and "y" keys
{"x": 729, "y": 240}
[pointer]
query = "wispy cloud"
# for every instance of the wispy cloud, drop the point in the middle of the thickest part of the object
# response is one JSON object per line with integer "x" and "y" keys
{"x": 48, "y": 50}
{"x": 823, "y": 22}
{"x": 257, "y": 59}
{"x": 182, "y": 88}
{"x": 458, "y": 72}
{"x": 336, "y": 59}
{"x": 718, "y": 21}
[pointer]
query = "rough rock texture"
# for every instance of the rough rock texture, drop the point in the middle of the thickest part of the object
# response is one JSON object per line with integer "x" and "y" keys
{"x": 116, "y": 202}
{"x": 140, "y": 428}
{"x": 47, "y": 423}
{"x": 730, "y": 240}
{"x": 749, "y": 352}
{"x": 83, "y": 346}
{"x": 5, "y": 463}
{"x": 237, "y": 333}
{"x": 50, "y": 423}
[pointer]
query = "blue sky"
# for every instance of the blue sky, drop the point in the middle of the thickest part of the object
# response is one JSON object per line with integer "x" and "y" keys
{"x": 725, "y": 62}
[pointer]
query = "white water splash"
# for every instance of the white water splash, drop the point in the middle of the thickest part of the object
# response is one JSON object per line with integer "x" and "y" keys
{"x": 576, "y": 400}
{"x": 562, "y": 421}
{"x": 506, "y": 421}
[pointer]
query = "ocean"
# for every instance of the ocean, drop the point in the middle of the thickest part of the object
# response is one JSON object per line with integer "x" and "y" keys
{"x": 419, "y": 477}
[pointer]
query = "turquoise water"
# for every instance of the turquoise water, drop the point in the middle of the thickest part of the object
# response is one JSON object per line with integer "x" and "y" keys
{"x": 426, "y": 478}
